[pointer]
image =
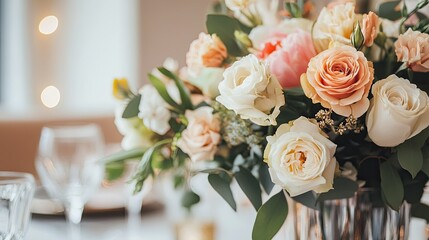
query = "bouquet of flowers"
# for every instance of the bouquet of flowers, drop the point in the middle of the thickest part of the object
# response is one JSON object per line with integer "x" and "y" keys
{"x": 268, "y": 97}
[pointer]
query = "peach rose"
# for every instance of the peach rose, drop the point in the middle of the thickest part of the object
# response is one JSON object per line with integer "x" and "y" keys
{"x": 339, "y": 78}
{"x": 334, "y": 25}
{"x": 370, "y": 28}
{"x": 291, "y": 59}
{"x": 206, "y": 51}
{"x": 200, "y": 138}
{"x": 412, "y": 47}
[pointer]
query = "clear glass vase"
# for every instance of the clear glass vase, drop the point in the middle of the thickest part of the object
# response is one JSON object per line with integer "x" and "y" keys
{"x": 363, "y": 216}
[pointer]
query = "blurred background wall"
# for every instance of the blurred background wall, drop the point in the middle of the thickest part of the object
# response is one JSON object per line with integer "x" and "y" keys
{"x": 95, "y": 41}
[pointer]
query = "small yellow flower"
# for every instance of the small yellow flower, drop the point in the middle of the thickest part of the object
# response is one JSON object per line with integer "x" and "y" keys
{"x": 121, "y": 90}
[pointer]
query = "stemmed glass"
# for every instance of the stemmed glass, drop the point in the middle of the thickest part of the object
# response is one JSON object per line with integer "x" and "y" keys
{"x": 68, "y": 165}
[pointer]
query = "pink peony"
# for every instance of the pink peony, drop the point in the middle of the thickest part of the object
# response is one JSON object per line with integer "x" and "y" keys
{"x": 291, "y": 58}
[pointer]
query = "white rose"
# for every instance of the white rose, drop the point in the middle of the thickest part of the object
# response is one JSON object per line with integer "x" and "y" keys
{"x": 301, "y": 158}
{"x": 200, "y": 138}
{"x": 154, "y": 110}
{"x": 134, "y": 132}
{"x": 251, "y": 91}
{"x": 398, "y": 111}
{"x": 334, "y": 25}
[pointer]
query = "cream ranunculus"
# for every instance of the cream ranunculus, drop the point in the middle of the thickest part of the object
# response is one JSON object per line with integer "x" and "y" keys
{"x": 251, "y": 91}
{"x": 206, "y": 51}
{"x": 334, "y": 25}
{"x": 339, "y": 78}
{"x": 200, "y": 138}
{"x": 398, "y": 111}
{"x": 301, "y": 158}
{"x": 412, "y": 47}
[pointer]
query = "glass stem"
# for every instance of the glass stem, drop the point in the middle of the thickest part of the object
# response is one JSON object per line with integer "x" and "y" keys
{"x": 74, "y": 211}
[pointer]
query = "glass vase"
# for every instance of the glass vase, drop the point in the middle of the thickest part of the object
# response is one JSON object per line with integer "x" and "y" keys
{"x": 363, "y": 216}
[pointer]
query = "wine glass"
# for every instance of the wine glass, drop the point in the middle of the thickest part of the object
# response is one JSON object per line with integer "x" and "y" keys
{"x": 68, "y": 166}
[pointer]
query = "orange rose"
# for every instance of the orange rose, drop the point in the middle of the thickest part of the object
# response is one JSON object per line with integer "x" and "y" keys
{"x": 412, "y": 47}
{"x": 339, "y": 78}
{"x": 370, "y": 28}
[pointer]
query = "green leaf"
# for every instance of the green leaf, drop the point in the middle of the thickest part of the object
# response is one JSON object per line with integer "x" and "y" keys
{"x": 224, "y": 27}
{"x": 132, "y": 108}
{"x": 425, "y": 167}
{"x": 265, "y": 178}
{"x": 343, "y": 188}
{"x": 308, "y": 199}
{"x": 144, "y": 169}
{"x": 410, "y": 154}
{"x": 222, "y": 186}
{"x": 184, "y": 93}
{"x": 189, "y": 199}
{"x": 114, "y": 170}
{"x": 420, "y": 210}
{"x": 293, "y": 9}
{"x": 410, "y": 157}
{"x": 270, "y": 217}
{"x": 388, "y": 10}
{"x": 250, "y": 186}
{"x": 124, "y": 155}
{"x": 162, "y": 90}
{"x": 391, "y": 185}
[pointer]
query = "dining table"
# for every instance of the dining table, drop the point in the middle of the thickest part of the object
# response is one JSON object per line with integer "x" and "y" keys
{"x": 155, "y": 225}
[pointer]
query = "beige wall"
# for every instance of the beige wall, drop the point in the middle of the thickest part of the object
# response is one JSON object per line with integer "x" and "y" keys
{"x": 167, "y": 29}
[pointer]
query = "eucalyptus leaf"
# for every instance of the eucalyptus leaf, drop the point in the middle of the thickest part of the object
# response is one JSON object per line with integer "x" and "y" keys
{"x": 410, "y": 157}
{"x": 343, "y": 188}
{"x": 250, "y": 186}
{"x": 189, "y": 199}
{"x": 391, "y": 185}
{"x": 388, "y": 10}
{"x": 222, "y": 186}
{"x": 124, "y": 155}
{"x": 420, "y": 210}
{"x": 183, "y": 91}
{"x": 270, "y": 217}
{"x": 144, "y": 168}
{"x": 308, "y": 199}
{"x": 293, "y": 9}
{"x": 410, "y": 154}
{"x": 265, "y": 178}
{"x": 224, "y": 27}
{"x": 162, "y": 90}
{"x": 425, "y": 167}
{"x": 132, "y": 108}
{"x": 114, "y": 170}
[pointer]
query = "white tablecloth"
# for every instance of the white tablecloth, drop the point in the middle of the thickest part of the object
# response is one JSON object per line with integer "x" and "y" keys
{"x": 153, "y": 226}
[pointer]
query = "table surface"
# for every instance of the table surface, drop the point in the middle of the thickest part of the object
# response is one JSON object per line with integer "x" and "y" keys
{"x": 151, "y": 226}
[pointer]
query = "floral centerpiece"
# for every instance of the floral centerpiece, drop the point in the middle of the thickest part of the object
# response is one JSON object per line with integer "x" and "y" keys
{"x": 320, "y": 108}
